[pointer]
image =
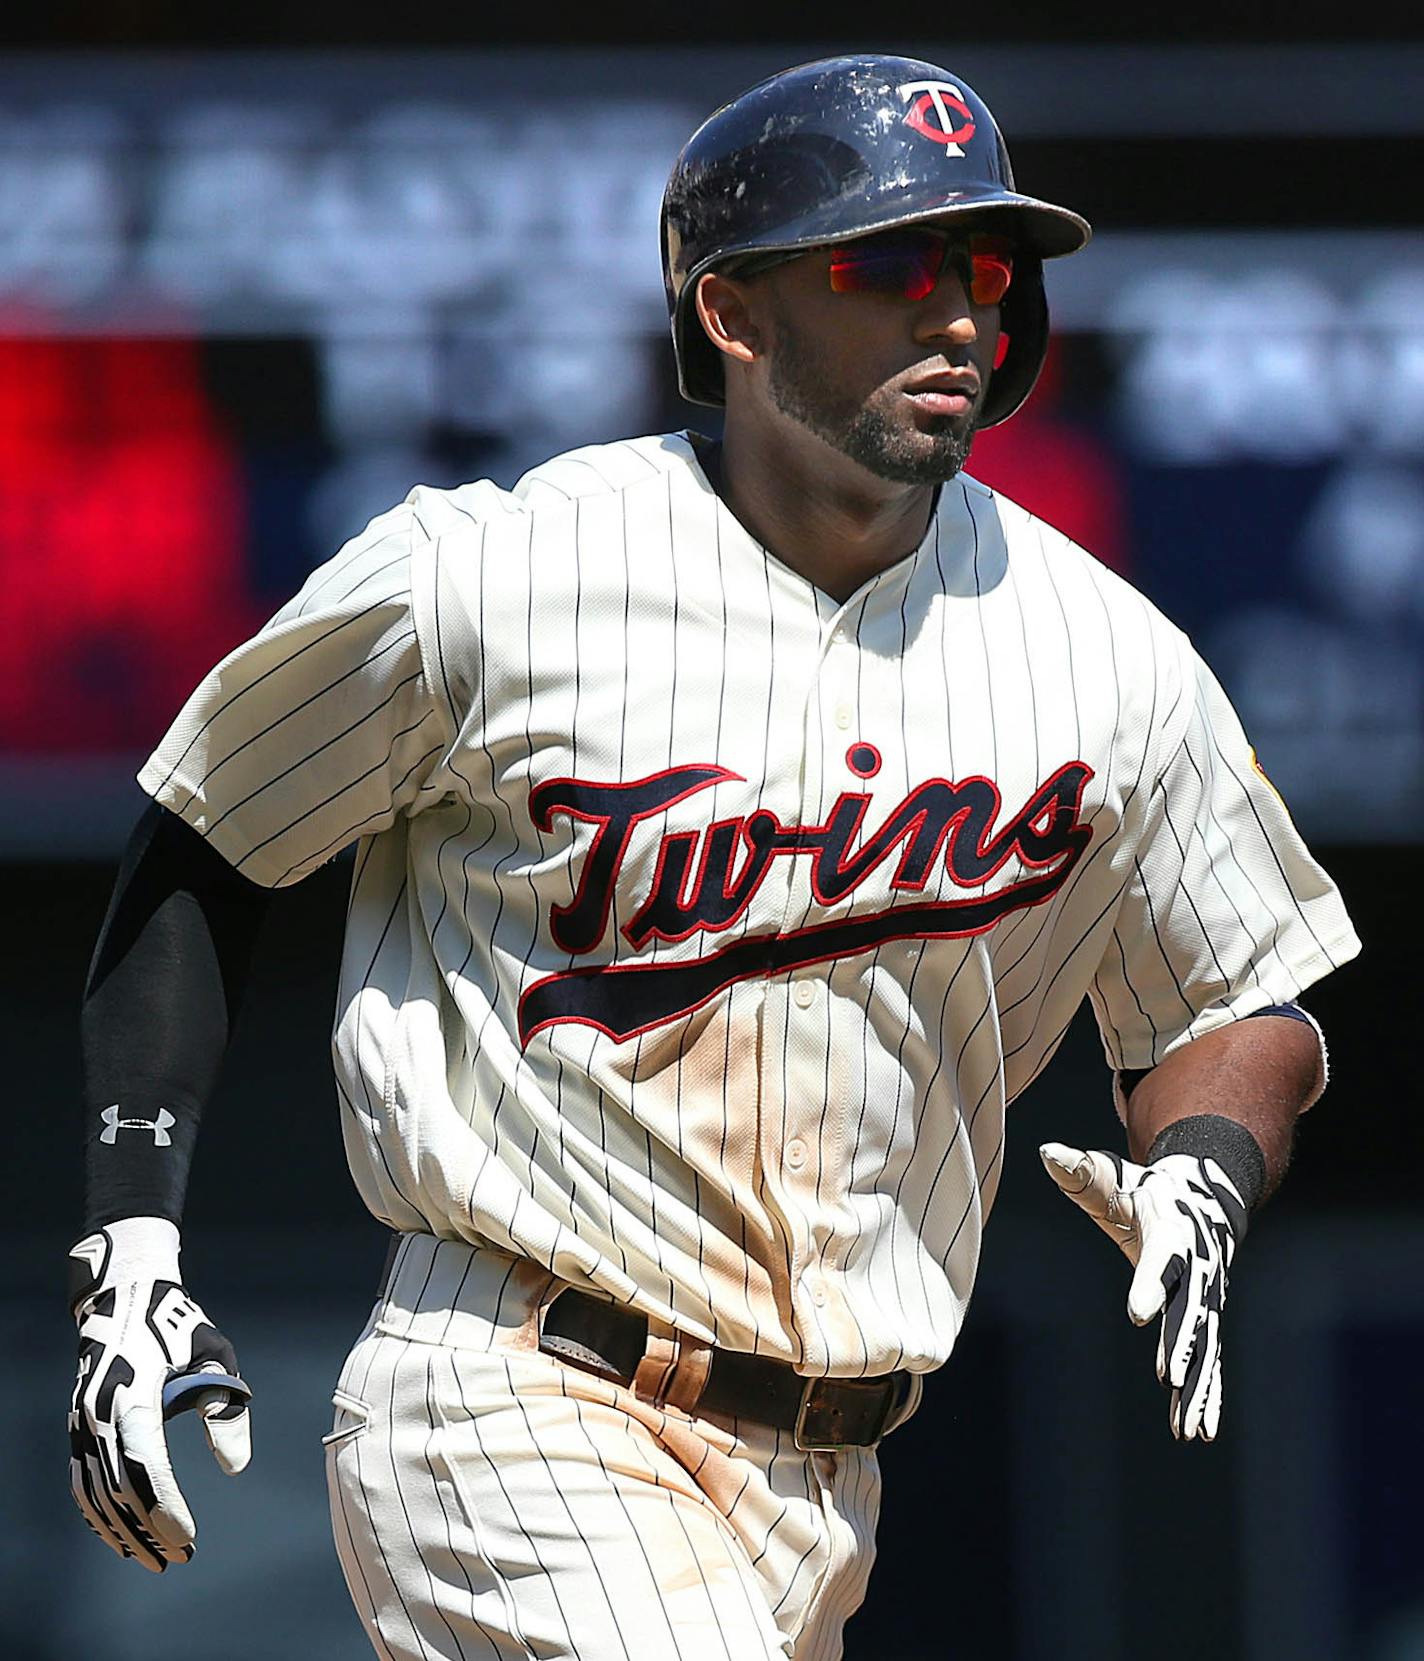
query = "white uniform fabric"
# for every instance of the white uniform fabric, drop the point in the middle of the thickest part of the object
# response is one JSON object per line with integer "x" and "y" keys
{"x": 491, "y": 1502}
{"x": 703, "y": 928}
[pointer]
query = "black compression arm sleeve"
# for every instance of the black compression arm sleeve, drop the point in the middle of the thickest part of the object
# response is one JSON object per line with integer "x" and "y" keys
{"x": 163, "y": 991}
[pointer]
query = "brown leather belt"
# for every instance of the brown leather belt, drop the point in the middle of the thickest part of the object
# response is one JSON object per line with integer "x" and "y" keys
{"x": 824, "y": 1414}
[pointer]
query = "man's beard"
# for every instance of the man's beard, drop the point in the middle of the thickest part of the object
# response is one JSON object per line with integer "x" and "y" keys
{"x": 801, "y": 389}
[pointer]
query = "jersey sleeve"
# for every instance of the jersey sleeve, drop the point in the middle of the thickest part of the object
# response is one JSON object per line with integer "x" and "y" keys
{"x": 324, "y": 726}
{"x": 1224, "y": 911}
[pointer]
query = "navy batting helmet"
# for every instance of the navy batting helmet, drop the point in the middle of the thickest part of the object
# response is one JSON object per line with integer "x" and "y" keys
{"x": 840, "y": 148}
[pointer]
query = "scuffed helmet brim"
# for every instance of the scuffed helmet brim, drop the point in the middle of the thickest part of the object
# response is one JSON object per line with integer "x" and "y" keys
{"x": 1040, "y": 228}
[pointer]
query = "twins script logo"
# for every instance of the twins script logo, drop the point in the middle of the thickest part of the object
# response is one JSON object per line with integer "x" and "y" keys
{"x": 953, "y": 123}
{"x": 706, "y": 879}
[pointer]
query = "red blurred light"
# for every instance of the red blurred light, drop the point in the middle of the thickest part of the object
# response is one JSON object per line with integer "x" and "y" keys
{"x": 121, "y": 540}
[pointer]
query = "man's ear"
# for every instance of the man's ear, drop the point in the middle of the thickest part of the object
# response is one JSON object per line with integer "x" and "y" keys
{"x": 726, "y": 317}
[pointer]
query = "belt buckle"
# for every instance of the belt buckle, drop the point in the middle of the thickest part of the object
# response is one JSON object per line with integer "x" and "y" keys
{"x": 855, "y": 1417}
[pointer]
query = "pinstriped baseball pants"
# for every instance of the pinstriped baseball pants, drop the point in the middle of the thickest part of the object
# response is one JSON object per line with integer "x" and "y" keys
{"x": 490, "y": 1502}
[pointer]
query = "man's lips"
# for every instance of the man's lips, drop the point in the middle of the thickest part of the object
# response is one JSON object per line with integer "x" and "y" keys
{"x": 946, "y": 394}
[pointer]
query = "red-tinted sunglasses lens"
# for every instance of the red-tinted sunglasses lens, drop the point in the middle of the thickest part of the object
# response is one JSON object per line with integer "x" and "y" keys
{"x": 908, "y": 264}
{"x": 991, "y": 270}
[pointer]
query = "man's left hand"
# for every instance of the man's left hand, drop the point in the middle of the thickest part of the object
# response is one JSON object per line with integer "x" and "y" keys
{"x": 1178, "y": 1221}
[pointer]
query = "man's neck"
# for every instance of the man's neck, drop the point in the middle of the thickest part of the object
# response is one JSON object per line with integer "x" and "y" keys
{"x": 831, "y": 521}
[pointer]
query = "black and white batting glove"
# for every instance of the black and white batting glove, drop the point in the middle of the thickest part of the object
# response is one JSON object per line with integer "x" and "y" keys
{"x": 146, "y": 1352}
{"x": 1179, "y": 1221}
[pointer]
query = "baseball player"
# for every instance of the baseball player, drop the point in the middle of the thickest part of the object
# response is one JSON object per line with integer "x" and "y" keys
{"x": 739, "y": 825}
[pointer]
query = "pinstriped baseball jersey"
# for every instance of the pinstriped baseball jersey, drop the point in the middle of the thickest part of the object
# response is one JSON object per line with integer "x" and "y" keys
{"x": 702, "y": 927}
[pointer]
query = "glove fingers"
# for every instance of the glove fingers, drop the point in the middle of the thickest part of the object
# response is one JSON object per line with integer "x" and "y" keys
{"x": 1181, "y": 1314}
{"x": 152, "y": 1489}
{"x": 1211, "y": 1414}
{"x": 229, "y": 1431}
{"x": 121, "y": 1526}
{"x": 150, "y": 1519}
{"x": 81, "y": 1485}
{"x": 1087, "y": 1177}
{"x": 1093, "y": 1181}
{"x": 1163, "y": 1237}
{"x": 1202, "y": 1366}
{"x": 1157, "y": 1277}
{"x": 1184, "y": 1346}
{"x": 223, "y": 1407}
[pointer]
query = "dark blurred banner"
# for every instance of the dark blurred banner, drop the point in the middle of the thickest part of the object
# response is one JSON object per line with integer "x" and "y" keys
{"x": 247, "y": 300}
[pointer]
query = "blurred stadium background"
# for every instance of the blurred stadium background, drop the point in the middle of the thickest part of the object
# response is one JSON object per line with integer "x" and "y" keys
{"x": 256, "y": 282}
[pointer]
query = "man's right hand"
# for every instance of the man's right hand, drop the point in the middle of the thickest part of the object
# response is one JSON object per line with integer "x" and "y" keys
{"x": 139, "y": 1330}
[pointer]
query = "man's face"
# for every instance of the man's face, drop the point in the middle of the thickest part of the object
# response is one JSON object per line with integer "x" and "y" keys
{"x": 895, "y": 384}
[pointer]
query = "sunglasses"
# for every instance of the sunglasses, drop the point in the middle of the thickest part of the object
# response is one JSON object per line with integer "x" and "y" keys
{"x": 907, "y": 262}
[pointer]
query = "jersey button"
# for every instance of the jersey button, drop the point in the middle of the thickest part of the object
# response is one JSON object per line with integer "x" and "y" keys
{"x": 805, "y": 993}
{"x": 844, "y": 717}
{"x": 796, "y": 1153}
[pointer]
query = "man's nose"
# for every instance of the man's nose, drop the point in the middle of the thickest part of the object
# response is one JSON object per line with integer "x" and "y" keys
{"x": 947, "y": 311}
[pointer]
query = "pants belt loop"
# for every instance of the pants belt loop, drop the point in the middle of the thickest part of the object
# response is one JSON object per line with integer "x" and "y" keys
{"x": 674, "y": 1369}
{"x": 689, "y": 1378}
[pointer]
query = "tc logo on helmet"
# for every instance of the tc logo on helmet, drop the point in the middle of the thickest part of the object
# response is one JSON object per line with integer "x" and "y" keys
{"x": 946, "y": 102}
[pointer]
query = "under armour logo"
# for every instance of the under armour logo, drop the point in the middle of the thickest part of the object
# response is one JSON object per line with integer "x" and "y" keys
{"x": 943, "y": 97}
{"x": 113, "y": 1124}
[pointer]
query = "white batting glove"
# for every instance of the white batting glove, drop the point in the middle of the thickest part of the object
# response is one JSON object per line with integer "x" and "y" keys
{"x": 146, "y": 1351}
{"x": 1178, "y": 1221}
